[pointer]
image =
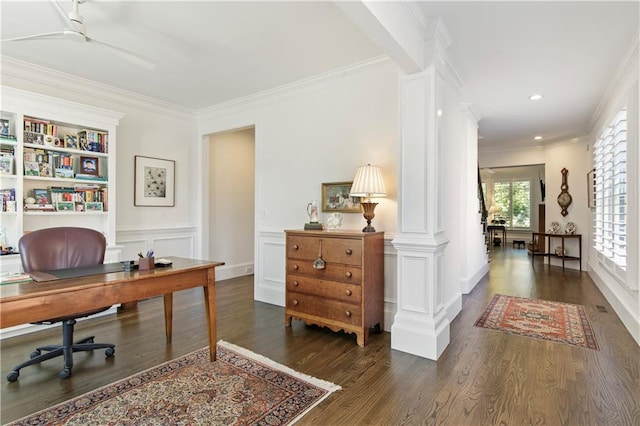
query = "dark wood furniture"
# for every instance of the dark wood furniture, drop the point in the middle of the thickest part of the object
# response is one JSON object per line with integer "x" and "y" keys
{"x": 493, "y": 233}
{"x": 548, "y": 250}
{"x": 27, "y": 302}
{"x": 343, "y": 292}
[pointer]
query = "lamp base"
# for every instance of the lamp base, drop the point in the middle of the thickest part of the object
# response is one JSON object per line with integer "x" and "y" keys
{"x": 368, "y": 215}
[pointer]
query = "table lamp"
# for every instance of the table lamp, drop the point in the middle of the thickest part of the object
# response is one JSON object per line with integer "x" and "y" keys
{"x": 368, "y": 184}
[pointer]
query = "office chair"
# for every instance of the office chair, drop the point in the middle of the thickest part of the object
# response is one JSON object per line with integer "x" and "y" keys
{"x": 62, "y": 248}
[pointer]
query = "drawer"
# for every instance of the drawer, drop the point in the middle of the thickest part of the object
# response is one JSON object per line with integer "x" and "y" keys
{"x": 333, "y": 290}
{"x": 332, "y": 272}
{"x": 334, "y": 250}
{"x": 329, "y": 309}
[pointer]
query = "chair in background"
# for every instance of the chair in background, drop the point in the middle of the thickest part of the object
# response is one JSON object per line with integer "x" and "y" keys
{"x": 62, "y": 248}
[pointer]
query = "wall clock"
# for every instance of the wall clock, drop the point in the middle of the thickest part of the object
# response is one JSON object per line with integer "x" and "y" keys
{"x": 564, "y": 199}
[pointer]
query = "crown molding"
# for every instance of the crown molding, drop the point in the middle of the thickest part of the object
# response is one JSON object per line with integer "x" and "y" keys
{"x": 290, "y": 89}
{"x": 30, "y": 73}
{"x": 627, "y": 72}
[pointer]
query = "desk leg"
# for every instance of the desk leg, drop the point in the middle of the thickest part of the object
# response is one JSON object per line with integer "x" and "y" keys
{"x": 210, "y": 304}
{"x": 168, "y": 316}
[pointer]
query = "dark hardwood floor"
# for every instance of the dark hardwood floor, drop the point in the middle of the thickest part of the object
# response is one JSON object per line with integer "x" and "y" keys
{"x": 483, "y": 378}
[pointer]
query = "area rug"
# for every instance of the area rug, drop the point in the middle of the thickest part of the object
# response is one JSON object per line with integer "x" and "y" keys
{"x": 239, "y": 388}
{"x": 540, "y": 319}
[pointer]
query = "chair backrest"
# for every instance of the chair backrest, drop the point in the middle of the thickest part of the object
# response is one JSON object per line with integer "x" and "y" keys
{"x": 60, "y": 248}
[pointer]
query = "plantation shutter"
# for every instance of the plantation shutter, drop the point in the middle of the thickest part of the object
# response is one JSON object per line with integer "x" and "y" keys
{"x": 610, "y": 215}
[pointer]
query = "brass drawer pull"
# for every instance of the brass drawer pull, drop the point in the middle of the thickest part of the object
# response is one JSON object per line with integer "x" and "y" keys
{"x": 295, "y": 283}
{"x": 349, "y": 274}
{"x": 349, "y": 252}
{"x": 295, "y": 302}
{"x": 348, "y": 313}
{"x": 348, "y": 292}
{"x": 295, "y": 247}
{"x": 295, "y": 267}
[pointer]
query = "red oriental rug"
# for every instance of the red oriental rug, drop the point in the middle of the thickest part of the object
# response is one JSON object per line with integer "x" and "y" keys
{"x": 540, "y": 319}
{"x": 239, "y": 388}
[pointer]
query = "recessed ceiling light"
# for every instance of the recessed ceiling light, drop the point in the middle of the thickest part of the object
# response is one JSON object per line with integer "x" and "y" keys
{"x": 538, "y": 138}
{"x": 535, "y": 97}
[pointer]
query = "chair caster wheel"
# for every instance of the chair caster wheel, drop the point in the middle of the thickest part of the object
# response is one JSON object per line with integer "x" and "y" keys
{"x": 13, "y": 376}
{"x": 109, "y": 352}
{"x": 64, "y": 374}
{"x": 34, "y": 354}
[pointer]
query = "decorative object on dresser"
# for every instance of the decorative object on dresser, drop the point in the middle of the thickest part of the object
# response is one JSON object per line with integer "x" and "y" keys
{"x": 347, "y": 293}
{"x": 564, "y": 199}
{"x": 368, "y": 184}
{"x": 334, "y": 221}
{"x": 312, "y": 211}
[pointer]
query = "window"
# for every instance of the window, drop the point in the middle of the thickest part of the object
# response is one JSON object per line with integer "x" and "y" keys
{"x": 610, "y": 213}
{"x": 513, "y": 198}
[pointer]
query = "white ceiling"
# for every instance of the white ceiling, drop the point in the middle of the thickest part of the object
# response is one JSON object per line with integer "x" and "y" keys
{"x": 208, "y": 52}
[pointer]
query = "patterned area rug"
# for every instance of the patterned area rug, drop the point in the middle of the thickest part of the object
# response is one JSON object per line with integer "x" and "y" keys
{"x": 541, "y": 319}
{"x": 239, "y": 388}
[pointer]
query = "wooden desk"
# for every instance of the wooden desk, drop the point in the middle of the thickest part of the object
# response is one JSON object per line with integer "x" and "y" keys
{"x": 547, "y": 251}
{"x": 23, "y": 303}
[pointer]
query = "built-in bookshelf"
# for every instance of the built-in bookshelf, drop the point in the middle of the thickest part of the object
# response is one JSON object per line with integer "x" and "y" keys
{"x": 57, "y": 166}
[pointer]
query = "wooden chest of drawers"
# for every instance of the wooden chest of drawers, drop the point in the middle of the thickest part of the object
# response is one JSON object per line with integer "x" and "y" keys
{"x": 348, "y": 292}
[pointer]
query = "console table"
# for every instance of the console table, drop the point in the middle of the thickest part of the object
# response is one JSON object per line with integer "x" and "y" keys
{"x": 548, "y": 250}
{"x": 493, "y": 232}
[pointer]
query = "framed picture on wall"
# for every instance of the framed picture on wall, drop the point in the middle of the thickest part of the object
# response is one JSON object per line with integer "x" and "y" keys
{"x": 154, "y": 182}
{"x": 335, "y": 198}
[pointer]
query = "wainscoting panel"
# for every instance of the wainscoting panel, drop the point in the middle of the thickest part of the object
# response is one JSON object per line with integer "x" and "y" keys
{"x": 180, "y": 242}
{"x": 270, "y": 269}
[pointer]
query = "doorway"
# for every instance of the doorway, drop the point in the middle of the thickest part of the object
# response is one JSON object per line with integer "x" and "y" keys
{"x": 232, "y": 201}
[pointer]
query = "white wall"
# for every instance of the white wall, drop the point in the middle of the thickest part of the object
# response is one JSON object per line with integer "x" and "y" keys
{"x": 307, "y": 134}
{"x": 231, "y": 202}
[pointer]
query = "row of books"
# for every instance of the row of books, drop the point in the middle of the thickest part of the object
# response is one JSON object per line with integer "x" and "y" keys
{"x": 8, "y": 197}
{"x": 76, "y": 198}
{"x": 40, "y": 126}
{"x": 92, "y": 140}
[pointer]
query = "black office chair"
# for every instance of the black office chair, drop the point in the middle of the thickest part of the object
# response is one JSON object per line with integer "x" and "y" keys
{"x": 62, "y": 248}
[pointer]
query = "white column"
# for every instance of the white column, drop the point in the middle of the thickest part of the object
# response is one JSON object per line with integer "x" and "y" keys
{"x": 420, "y": 325}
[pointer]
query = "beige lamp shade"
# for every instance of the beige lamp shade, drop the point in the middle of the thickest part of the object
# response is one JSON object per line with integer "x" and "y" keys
{"x": 368, "y": 183}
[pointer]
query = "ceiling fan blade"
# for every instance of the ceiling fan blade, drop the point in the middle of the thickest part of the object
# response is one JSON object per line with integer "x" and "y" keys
{"x": 64, "y": 17}
{"x": 57, "y": 34}
{"x": 126, "y": 54}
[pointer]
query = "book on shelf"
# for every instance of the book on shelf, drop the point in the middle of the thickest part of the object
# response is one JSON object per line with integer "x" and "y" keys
{"x": 8, "y": 197}
{"x": 39, "y": 207}
{"x": 85, "y": 176}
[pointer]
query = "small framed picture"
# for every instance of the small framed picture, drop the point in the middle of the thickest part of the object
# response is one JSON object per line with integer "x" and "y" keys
{"x": 6, "y": 164}
{"x": 93, "y": 206}
{"x": 4, "y": 127}
{"x": 65, "y": 206}
{"x": 71, "y": 142}
{"x": 41, "y": 196}
{"x": 45, "y": 170}
{"x": 335, "y": 198}
{"x": 89, "y": 165}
